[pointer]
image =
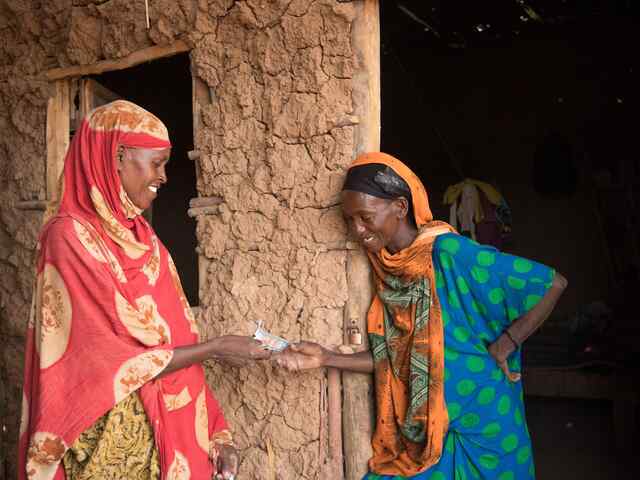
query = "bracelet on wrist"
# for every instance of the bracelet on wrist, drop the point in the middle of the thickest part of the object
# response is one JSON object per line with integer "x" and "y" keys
{"x": 513, "y": 340}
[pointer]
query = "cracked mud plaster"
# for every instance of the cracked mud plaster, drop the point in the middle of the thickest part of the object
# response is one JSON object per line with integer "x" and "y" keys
{"x": 275, "y": 141}
{"x": 276, "y": 133}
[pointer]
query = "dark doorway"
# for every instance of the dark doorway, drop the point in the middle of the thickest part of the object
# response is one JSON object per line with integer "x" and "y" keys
{"x": 164, "y": 88}
{"x": 537, "y": 98}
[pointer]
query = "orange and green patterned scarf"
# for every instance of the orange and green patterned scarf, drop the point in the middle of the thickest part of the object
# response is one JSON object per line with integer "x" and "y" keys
{"x": 406, "y": 336}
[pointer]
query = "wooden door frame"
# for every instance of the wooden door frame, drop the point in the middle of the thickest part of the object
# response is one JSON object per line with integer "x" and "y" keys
{"x": 58, "y": 107}
{"x": 58, "y": 131}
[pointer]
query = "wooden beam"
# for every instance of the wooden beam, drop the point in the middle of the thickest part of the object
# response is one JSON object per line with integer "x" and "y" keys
{"x": 366, "y": 81}
{"x": 131, "y": 60}
{"x": 334, "y": 407}
{"x": 357, "y": 399}
{"x": 205, "y": 201}
{"x": 40, "y": 205}
{"x": 357, "y": 388}
{"x": 197, "y": 211}
{"x": 203, "y": 267}
{"x": 57, "y": 135}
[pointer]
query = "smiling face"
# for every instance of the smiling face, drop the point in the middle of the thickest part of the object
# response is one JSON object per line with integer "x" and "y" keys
{"x": 375, "y": 222}
{"x": 142, "y": 173}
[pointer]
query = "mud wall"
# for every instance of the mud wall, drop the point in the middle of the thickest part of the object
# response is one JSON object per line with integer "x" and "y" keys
{"x": 276, "y": 135}
{"x": 23, "y": 106}
{"x": 276, "y": 128}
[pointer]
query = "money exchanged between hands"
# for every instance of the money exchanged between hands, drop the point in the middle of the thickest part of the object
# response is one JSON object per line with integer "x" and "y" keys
{"x": 269, "y": 340}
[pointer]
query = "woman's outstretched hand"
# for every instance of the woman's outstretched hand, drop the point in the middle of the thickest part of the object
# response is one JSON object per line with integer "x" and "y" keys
{"x": 236, "y": 347}
{"x": 500, "y": 351}
{"x": 226, "y": 463}
{"x": 233, "y": 349}
{"x": 302, "y": 356}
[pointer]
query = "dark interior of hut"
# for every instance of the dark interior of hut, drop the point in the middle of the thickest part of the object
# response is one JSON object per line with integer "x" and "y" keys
{"x": 163, "y": 87}
{"x": 537, "y": 98}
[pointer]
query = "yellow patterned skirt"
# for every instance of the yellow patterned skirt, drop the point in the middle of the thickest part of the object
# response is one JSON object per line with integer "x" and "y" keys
{"x": 119, "y": 445}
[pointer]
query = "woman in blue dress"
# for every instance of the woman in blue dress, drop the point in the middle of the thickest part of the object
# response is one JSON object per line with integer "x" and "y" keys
{"x": 445, "y": 330}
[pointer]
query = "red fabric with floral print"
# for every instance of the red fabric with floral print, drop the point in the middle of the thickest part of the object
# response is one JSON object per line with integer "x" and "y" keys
{"x": 108, "y": 311}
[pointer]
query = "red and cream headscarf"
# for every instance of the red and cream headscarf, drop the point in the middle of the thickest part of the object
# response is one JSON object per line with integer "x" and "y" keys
{"x": 108, "y": 311}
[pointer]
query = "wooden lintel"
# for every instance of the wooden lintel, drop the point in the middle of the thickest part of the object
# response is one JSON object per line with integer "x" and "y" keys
{"x": 348, "y": 121}
{"x": 131, "y": 60}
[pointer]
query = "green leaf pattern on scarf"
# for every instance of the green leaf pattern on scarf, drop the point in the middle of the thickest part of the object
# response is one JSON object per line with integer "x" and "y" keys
{"x": 400, "y": 295}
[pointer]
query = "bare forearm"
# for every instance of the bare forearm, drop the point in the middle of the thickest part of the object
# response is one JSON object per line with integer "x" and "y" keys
{"x": 356, "y": 362}
{"x": 225, "y": 348}
{"x": 186, "y": 356}
{"x": 525, "y": 326}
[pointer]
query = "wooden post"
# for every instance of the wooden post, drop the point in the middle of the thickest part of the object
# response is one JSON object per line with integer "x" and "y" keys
{"x": 358, "y": 412}
{"x": 57, "y": 135}
{"x": 334, "y": 407}
{"x": 366, "y": 88}
{"x": 357, "y": 396}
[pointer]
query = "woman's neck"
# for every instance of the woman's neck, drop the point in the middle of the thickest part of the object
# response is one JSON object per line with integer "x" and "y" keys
{"x": 404, "y": 237}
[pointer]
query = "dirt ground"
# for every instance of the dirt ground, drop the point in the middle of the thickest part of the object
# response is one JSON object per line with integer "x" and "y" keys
{"x": 574, "y": 439}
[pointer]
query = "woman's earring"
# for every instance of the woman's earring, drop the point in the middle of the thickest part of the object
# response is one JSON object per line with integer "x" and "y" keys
{"x": 120, "y": 155}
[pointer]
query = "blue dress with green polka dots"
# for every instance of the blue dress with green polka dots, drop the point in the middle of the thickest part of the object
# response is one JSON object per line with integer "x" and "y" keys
{"x": 481, "y": 291}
